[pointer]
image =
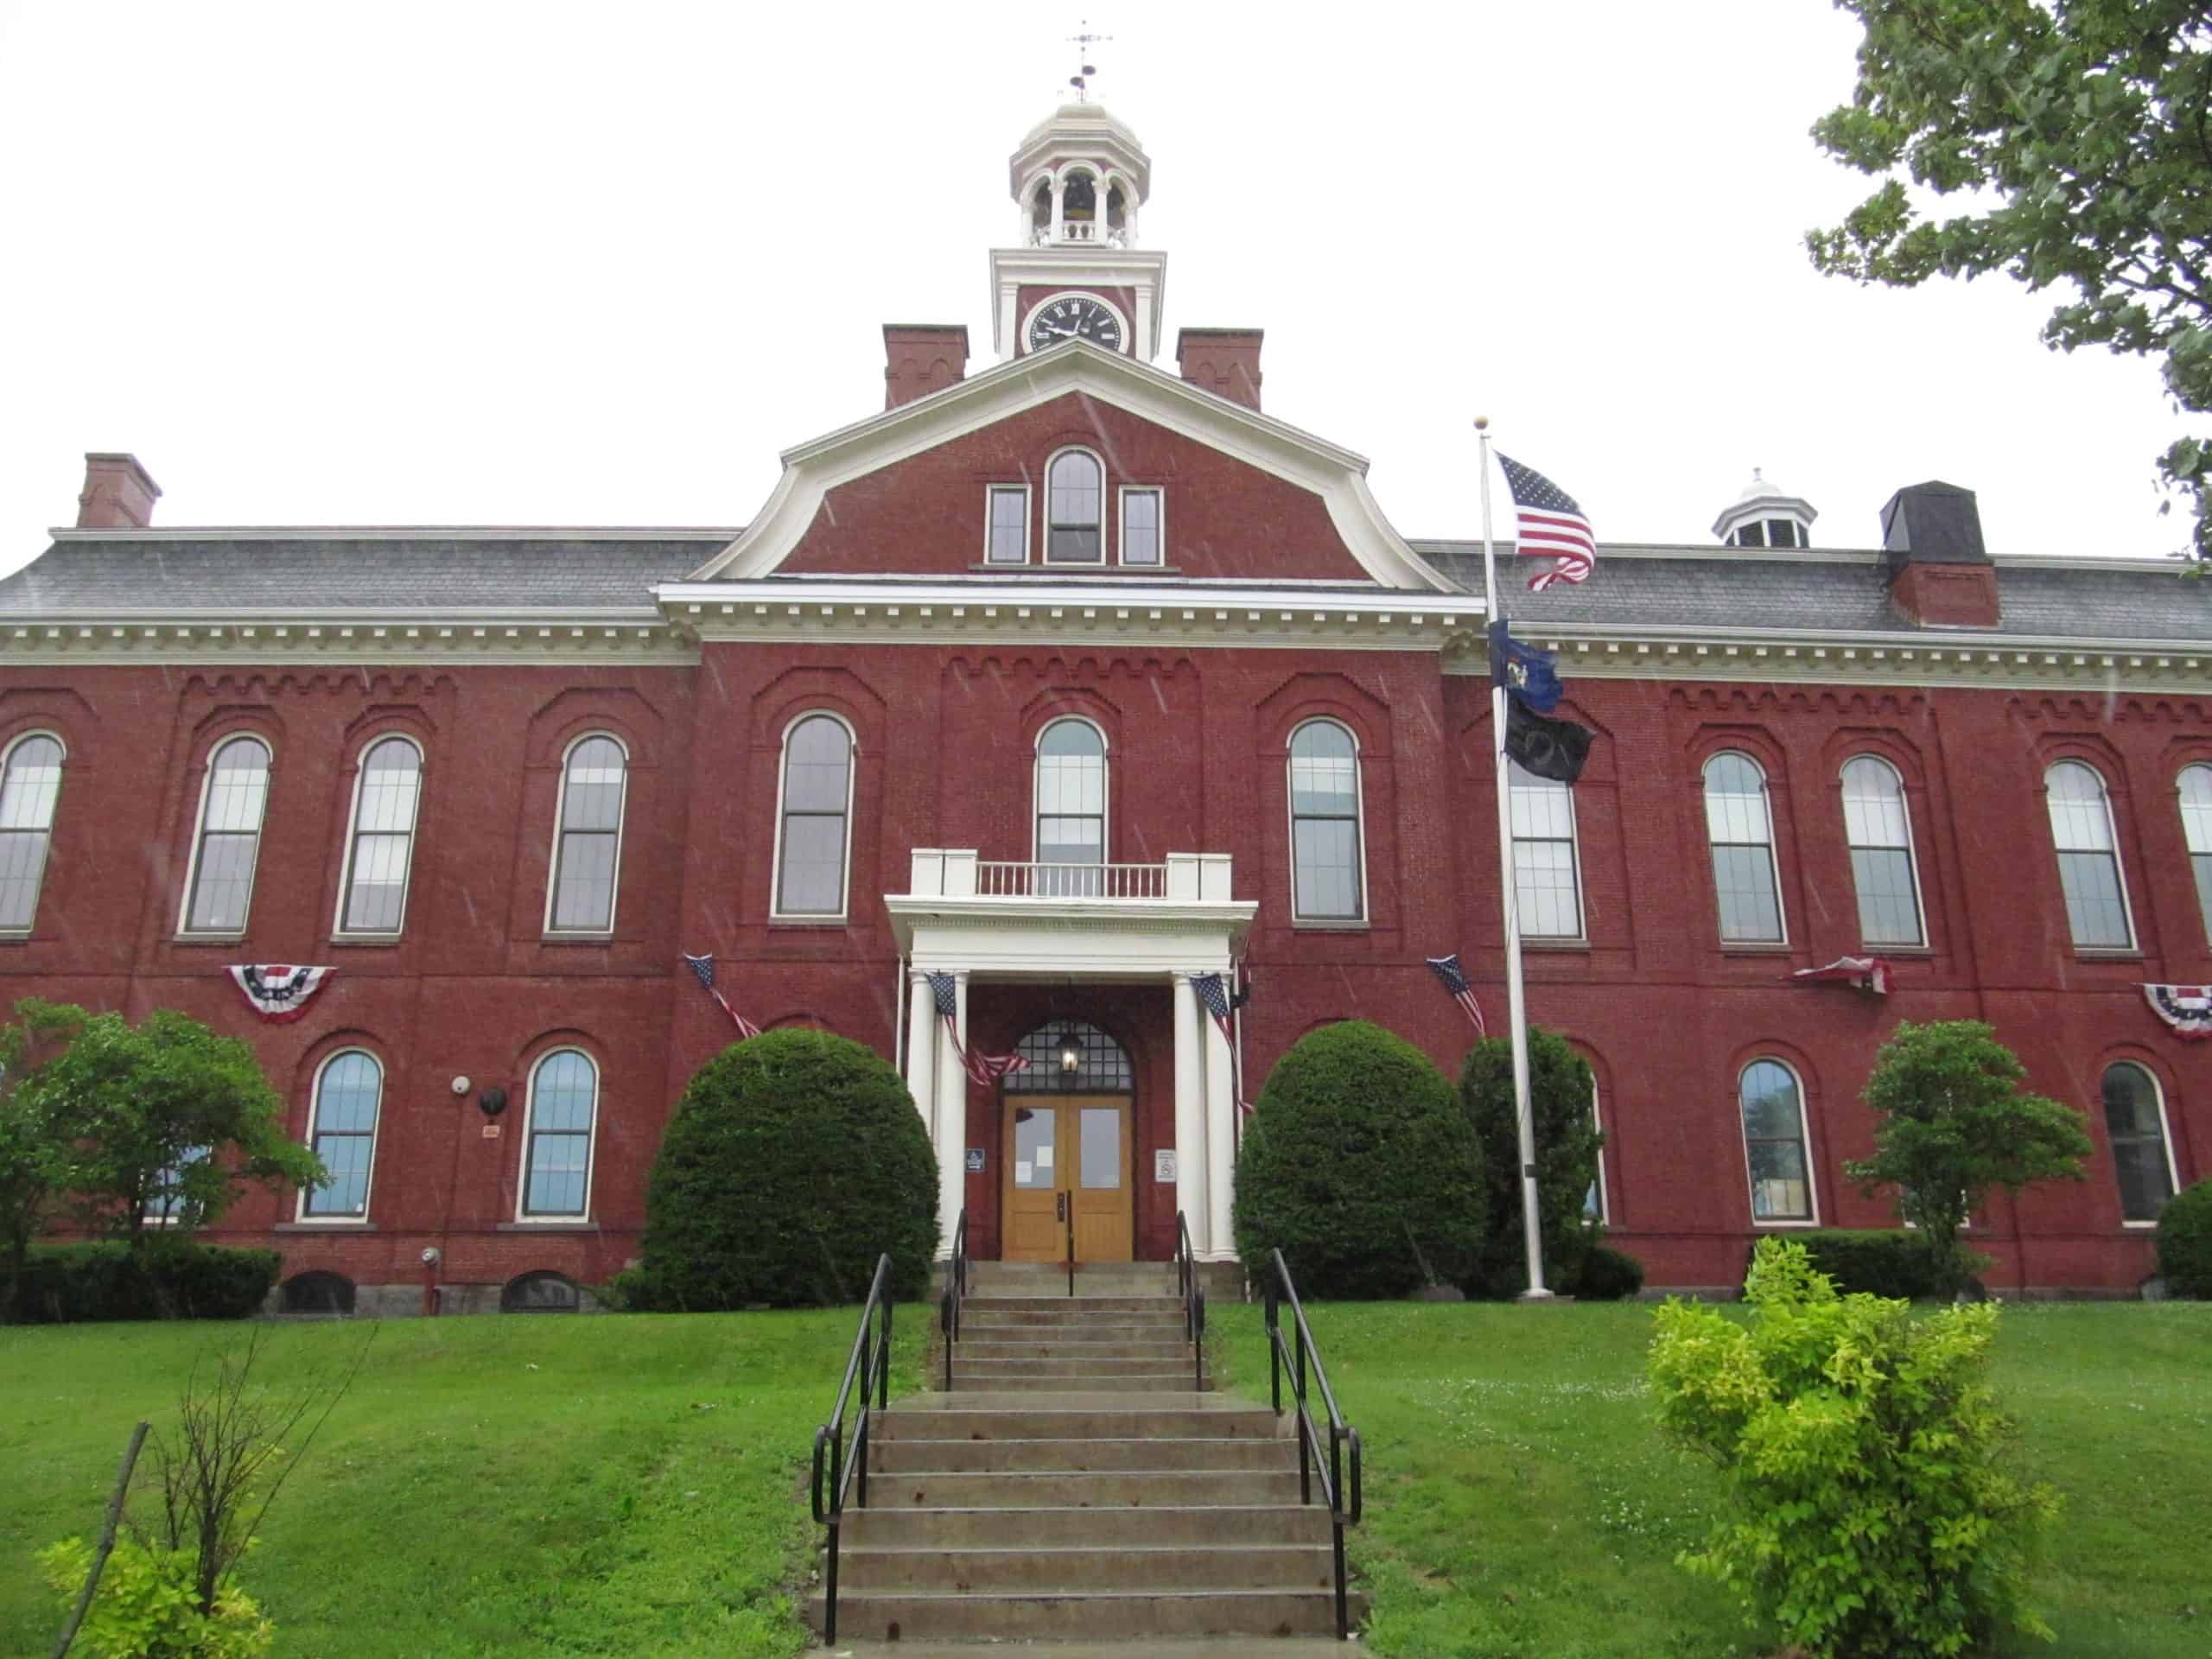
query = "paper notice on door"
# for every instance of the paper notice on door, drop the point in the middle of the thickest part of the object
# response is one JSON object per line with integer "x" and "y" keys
{"x": 1044, "y": 1157}
{"x": 1023, "y": 1173}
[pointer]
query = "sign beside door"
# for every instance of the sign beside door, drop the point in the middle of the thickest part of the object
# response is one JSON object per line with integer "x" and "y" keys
{"x": 975, "y": 1160}
{"x": 1163, "y": 1165}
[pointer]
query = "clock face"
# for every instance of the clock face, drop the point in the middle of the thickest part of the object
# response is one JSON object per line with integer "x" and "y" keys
{"x": 1074, "y": 317}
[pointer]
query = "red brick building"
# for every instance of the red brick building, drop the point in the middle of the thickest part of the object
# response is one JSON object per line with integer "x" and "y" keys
{"x": 1072, "y": 679}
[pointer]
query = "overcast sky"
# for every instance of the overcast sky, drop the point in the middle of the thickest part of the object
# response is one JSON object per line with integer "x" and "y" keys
{"x": 550, "y": 265}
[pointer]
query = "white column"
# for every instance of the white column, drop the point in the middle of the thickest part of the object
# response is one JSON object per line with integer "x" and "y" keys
{"x": 951, "y": 1117}
{"x": 1189, "y": 1114}
{"x": 1221, "y": 1140}
{"x": 1059, "y": 189}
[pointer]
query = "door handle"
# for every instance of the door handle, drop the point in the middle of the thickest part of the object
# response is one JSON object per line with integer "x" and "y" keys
{"x": 1060, "y": 1206}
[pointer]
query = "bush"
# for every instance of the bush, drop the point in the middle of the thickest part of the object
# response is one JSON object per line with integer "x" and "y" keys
{"x": 1875, "y": 1261}
{"x": 69, "y": 1284}
{"x": 1359, "y": 1165}
{"x": 147, "y": 1606}
{"x": 1607, "y": 1276}
{"x": 2185, "y": 1242}
{"x": 1858, "y": 1446}
{"x": 1560, "y": 1091}
{"x": 793, "y": 1160}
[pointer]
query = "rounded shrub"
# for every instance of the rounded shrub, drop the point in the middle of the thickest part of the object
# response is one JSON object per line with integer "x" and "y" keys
{"x": 1360, "y": 1167}
{"x": 794, "y": 1160}
{"x": 2185, "y": 1242}
{"x": 1566, "y": 1141}
{"x": 1607, "y": 1276}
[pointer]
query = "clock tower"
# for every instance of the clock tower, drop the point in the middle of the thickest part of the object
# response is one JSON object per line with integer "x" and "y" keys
{"x": 1077, "y": 272}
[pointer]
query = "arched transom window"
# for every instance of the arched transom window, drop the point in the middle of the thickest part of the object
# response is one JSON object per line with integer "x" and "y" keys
{"x": 1075, "y": 491}
{"x": 1879, "y": 831}
{"x": 811, "y": 840}
{"x": 30, "y": 786}
{"x": 1325, "y": 854}
{"x": 342, "y": 1133}
{"x": 1741, "y": 830}
{"x": 2142, "y": 1158}
{"x": 226, "y": 847}
{"x": 1774, "y": 1142}
{"x": 2088, "y": 856}
{"x": 381, "y": 845}
{"x": 1070, "y": 807}
{"x": 588, "y": 837}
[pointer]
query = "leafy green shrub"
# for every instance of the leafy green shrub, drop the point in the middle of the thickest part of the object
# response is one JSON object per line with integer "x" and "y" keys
{"x": 68, "y": 1284}
{"x": 2185, "y": 1242}
{"x": 1359, "y": 1165}
{"x": 147, "y": 1607}
{"x": 1607, "y": 1276}
{"x": 1567, "y": 1143}
{"x": 1872, "y": 1262}
{"x": 1859, "y": 1447}
{"x": 792, "y": 1161}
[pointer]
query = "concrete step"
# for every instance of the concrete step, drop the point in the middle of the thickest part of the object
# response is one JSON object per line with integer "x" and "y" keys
{"x": 1064, "y": 1346}
{"x": 1109, "y": 1416}
{"x": 994, "y": 1378}
{"x": 1080, "y": 1569}
{"x": 1155, "y": 1527}
{"x": 1107, "y": 1372}
{"x": 978, "y": 1327}
{"x": 1094, "y": 1616}
{"x": 897, "y": 1456}
{"x": 1066, "y": 1489}
{"x": 1080, "y": 1307}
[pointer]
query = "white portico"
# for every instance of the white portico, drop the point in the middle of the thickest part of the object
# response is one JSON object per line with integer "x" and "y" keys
{"x": 985, "y": 922}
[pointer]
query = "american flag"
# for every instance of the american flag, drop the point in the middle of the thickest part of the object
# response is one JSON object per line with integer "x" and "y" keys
{"x": 1447, "y": 970}
{"x": 1867, "y": 973}
{"x": 1552, "y": 525}
{"x": 980, "y": 1068}
{"x": 1214, "y": 992}
{"x": 702, "y": 968}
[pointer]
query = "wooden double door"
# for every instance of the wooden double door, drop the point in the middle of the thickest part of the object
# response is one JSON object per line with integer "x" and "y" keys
{"x": 1068, "y": 1166}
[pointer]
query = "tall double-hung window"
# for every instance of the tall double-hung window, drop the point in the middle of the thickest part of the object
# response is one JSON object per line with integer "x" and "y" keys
{"x": 1546, "y": 885}
{"x": 1773, "y": 1107}
{"x": 2196, "y": 831}
{"x": 1325, "y": 854}
{"x": 342, "y": 1133}
{"x": 227, "y": 844}
{"x": 588, "y": 837}
{"x": 1879, "y": 831}
{"x": 812, "y": 839}
{"x": 380, "y": 843}
{"x": 2088, "y": 856}
{"x": 30, "y": 786}
{"x": 2142, "y": 1157}
{"x": 1075, "y": 497}
{"x": 1071, "y": 809}
{"x": 563, "y": 1110}
{"x": 1740, "y": 827}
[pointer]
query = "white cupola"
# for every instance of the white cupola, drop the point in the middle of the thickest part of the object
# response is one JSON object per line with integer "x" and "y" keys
{"x": 1079, "y": 178}
{"x": 1764, "y": 516}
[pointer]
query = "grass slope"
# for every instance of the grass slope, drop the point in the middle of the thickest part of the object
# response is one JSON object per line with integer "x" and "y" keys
{"x": 515, "y": 1486}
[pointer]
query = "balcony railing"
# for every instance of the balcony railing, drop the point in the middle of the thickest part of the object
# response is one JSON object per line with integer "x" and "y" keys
{"x": 1184, "y": 878}
{"x": 996, "y": 879}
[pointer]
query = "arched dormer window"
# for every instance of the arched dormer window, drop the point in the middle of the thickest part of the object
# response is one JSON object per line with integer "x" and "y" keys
{"x": 30, "y": 786}
{"x": 1071, "y": 823}
{"x": 226, "y": 845}
{"x": 1879, "y": 831}
{"x": 1327, "y": 859}
{"x": 814, "y": 817}
{"x": 1075, "y": 490}
{"x": 2089, "y": 857}
{"x": 588, "y": 837}
{"x": 380, "y": 843}
{"x": 1741, "y": 830}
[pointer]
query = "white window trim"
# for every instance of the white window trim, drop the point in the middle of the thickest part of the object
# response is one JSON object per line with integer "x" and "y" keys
{"x": 1911, "y": 850}
{"x": 376, "y": 1133}
{"x": 2165, "y": 1137}
{"x": 1044, "y": 551}
{"x": 991, "y": 492}
{"x": 1773, "y": 852}
{"x": 7, "y": 759}
{"x": 2203, "y": 894}
{"x": 2119, "y": 863}
{"x": 1804, "y": 1143}
{"x": 1122, "y": 525}
{"x": 338, "y": 929}
{"x": 813, "y": 917}
{"x": 184, "y": 928}
{"x": 1359, "y": 823}
{"x": 621, "y": 829}
{"x": 591, "y": 1141}
{"x": 1105, "y": 787}
{"x": 1581, "y": 935}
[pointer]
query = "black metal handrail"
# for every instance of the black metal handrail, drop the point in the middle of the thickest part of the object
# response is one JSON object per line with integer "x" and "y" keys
{"x": 870, "y": 1364}
{"x": 1337, "y": 1464}
{"x": 1194, "y": 1302}
{"x": 955, "y": 1290}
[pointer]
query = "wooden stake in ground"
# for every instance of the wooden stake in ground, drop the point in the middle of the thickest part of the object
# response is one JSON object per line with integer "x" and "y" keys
{"x": 107, "y": 1541}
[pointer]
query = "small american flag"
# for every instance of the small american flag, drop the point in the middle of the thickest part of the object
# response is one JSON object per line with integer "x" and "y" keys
{"x": 702, "y": 968}
{"x": 1213, "y": 991}
{"x": 1448, "y": 973}
{"x": 980, "y": 1068}
{"x": 1552, "y": 525}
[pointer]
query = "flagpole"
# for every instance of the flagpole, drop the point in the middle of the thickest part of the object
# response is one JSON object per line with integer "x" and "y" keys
{"x": 1516, "y": 1013}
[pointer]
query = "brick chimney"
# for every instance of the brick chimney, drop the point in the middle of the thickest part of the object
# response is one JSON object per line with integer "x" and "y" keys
{"x": 1940, "y": 574}
{"x": 118, "y": 494}
{"x": 1226, "y": 361}
{"x": 920, "y": 358}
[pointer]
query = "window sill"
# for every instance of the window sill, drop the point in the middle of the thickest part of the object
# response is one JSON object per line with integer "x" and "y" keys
{"x": 1780, "y": 947}
{"x": 1813, "y": 1222}
{"x": 332, "y": 1223}
{"x": 188, "y": 940}
{"x": 2139, "y": 1226}
{"x": 814, "y": 922}
{"x": 2107, "y": 953}
{"x": 1302, "y": 926}
{"x": 575, "y": 938}
{"x": 1908, "y": 951}
{"x": 1547, "y": 943}
{"x": 551, "y": 1224}
{"x": 360, "y": 941}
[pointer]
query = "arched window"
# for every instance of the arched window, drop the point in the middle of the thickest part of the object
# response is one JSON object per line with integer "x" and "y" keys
{"x": 1545, "y": 885}
{"x": 1774, "y": 1142}
{"x": 30, "y": 784}
{"x": 2088, "y": 856}
{"x": 1741, "y": 830}
{"x": 318, "y": 1292}
{"x": 380, "y": 845}
{"x": 817, "y": 796}
{"x": 540, "y": 1292}
{"x": 1326, "y": 856}
{"x": 1071, "y": 808}
{"x": 557, "y": 1139}
{"x": 2196, "y": 831}
{"x": 342, "y": 1133}
{"x": 227, "y": 846}
{"x": 1879, "y": 831}
{"x": 2142, "y": 1157}
{"x": 588, "y": 837}
{"x": 1075, "y": 491}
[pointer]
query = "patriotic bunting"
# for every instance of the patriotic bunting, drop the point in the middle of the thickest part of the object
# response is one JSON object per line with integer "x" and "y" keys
{"x": 702, "y": 968}
{"x": 1449, "y": 975}
{"x": 2186, "y": 1008}
{"x": 278, "y": 992}
{"x": 1868, "y": 973}
{"x": 980, "y": 1068}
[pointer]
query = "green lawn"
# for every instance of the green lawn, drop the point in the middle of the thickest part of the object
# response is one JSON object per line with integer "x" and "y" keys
{"x": 630, "y": 1485}
{"x": 1519, "y": 1501}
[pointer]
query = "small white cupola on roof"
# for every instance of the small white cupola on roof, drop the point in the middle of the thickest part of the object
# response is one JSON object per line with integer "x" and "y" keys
{"x": 1080, "y": 176}
{"x": 1764, "y": 516}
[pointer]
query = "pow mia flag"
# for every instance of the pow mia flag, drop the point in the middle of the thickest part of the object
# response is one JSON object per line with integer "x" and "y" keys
{"x": 1545, "y": 748}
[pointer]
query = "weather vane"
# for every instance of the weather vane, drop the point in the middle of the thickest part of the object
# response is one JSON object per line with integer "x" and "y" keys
{"x": 1082, "y": 40}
